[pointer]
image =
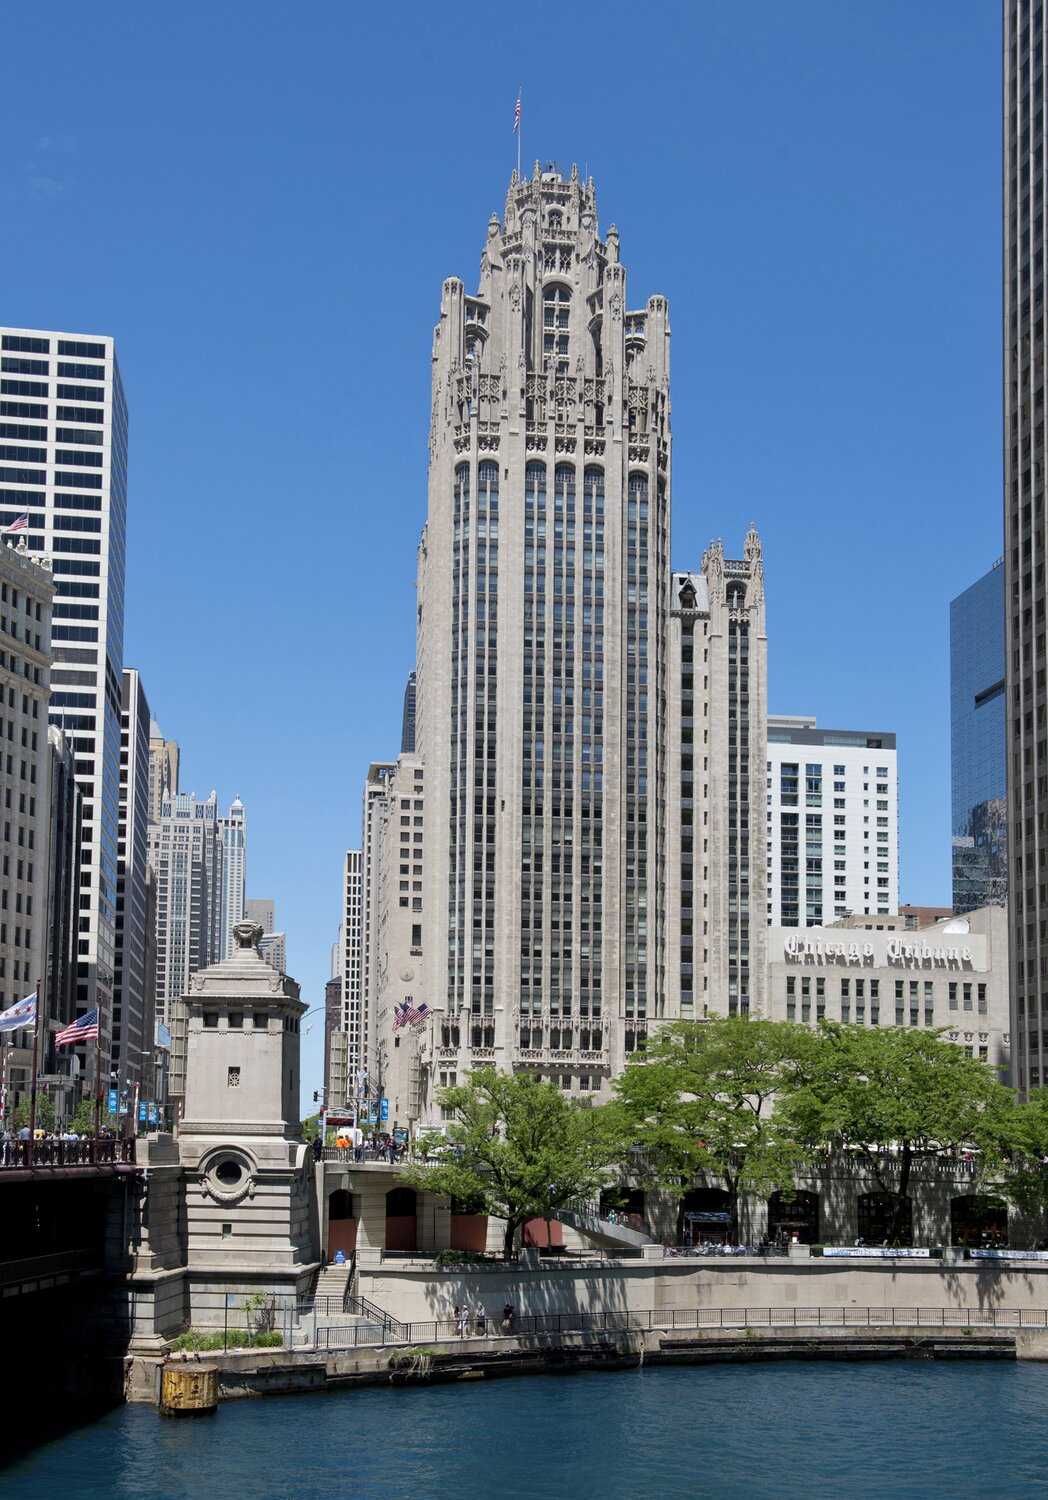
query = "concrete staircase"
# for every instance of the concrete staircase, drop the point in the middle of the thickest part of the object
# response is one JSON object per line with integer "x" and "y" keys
{"x": 333, "y": 1285}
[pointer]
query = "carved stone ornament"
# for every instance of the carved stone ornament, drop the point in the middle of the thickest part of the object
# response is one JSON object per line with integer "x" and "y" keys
{"x": 247, "y": 934}
{"x": 615, "y": 304}
{"x": 514, "y": 296}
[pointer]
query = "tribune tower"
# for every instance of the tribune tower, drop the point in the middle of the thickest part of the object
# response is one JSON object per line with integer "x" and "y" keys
{"x": 542, "y": 601}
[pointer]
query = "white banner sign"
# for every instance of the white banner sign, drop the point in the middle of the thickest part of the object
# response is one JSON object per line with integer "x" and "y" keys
{"x": 873, "y": 1252}
{"x": 1008, "y": 1254}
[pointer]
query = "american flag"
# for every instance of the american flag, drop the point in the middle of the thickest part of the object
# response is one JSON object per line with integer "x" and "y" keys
{"x": 84, "y": 1029}
{"x": 516, "y": 117}
{"x": 20, "y": 523}
{"x": 407, "y": 1013}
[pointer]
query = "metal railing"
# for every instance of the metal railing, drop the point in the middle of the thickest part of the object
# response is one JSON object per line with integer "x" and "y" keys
{"x": 89, "y": 1151}
{"x": 803, "y": 1319}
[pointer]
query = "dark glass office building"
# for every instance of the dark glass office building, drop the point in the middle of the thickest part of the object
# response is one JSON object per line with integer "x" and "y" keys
{"x": 978, "y": 806}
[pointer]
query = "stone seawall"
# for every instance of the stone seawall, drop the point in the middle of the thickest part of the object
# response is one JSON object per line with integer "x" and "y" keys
{"x": 282, "y": 1371}
{"x": 414, "y": 1291}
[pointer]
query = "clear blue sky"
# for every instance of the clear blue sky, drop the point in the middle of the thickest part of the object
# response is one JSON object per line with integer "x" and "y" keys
{"x": 260, "y": 202}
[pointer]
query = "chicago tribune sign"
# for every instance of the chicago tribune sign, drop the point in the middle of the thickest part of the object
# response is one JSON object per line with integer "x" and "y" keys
{"x": 904, "y": 955}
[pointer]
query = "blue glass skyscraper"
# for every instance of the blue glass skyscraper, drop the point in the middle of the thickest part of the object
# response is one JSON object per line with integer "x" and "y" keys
{"x": 979, "y": 813}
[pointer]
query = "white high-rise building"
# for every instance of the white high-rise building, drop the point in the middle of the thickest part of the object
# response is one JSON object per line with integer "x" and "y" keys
{"x": 832, "y": 823}
{"x": 351, "y": 965}
{"x": 63, "y": 464}
{"x": 232, "y": 829}
{"x": 543, "y": 592}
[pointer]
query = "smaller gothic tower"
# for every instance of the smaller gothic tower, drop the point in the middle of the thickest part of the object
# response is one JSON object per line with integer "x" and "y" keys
{"x": 246, "y": 1172}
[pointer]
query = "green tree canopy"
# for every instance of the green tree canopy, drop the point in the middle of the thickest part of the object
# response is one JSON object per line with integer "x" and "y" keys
{"x": 1024, "y": 1176}
{"x": 895, "y": 1097}
{"x": 700, "y": 1101}
{"x": 45, "y": 1113}
{"x": 519, "y": 1149}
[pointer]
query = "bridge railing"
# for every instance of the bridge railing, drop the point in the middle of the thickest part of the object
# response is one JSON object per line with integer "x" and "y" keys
{"x": 88, "y": 1151}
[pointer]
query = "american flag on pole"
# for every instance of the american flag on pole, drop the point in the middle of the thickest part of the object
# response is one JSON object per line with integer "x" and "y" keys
{"x": 516, "y": 117}
{"x": 20, "y": 523}
{"x": 407, "y": 1013}
{"x": 83, "y": 1029}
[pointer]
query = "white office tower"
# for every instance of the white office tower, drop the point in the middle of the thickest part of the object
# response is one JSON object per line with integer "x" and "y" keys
{"x": 232, "y": 828}
{"x": 351, "y": 964}
{"x": 541, "y": 677}
{"x": 63, "y": 465}
{"x": 832, "y": 821}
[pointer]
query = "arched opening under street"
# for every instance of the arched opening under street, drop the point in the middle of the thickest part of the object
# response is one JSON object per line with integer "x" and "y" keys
{"x": 342, "y": 1224}
{"x": 796, "y": 1216}
{"x": 401, "y": 1219}
{"x": 627, "y": 1205}
{"x": 704, "y": 1217}
{"x": 885, "y": 1219}
{"x": 978, "y": 1222}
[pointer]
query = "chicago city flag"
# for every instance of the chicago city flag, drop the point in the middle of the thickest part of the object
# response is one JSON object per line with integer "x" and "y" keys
{"x": 22, "y": 1013}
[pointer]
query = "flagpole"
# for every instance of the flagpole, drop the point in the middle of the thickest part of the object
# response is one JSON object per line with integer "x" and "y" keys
{"x": 520, "y": 124}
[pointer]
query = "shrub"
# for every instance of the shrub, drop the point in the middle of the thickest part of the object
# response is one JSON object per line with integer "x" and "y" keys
{"x": 196, "y": 1339}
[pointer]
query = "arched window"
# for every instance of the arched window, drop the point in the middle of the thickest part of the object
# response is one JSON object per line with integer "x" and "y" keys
{"x": 564, "y": 488}
{"x": 488, "y": 483}
{"x": 704, "y": 1217}
{"x": 340, "y": 1205}
{"x": 797, "y": 1215}
{"x": 400, "y": 1202}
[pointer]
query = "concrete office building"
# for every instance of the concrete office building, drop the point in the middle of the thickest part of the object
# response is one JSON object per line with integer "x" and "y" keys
{"x": 131, "y": 1055}
{"x": 232, "y": 832}
{"x": 978, "y": 793}
{"x": 1025, "y": 532}
{"x": 272, "y": 944}
{"x": 373, "y": 831}
{"x": 393, "y": 901}
{"x": 833, "y": 823}
{"x": 716, "y": 732}
{"x": 543, "y": 590}
{"x": 26, "y": 599}
{"x": 163, "y": 770}
{"x": 951, "y": 974}
{"x": 63, "y": 463}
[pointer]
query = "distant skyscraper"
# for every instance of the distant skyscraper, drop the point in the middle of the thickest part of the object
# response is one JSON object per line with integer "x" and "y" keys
{"x": 64, "y": 416}
{"x": 1025, "y": 226}
{"x": 833, "y": 823}
{"x": 232, "y": 830}
{"x": 263, "y": 911}
{"x": 185, "y": 850}
{"x": 134, "y": 997}
{"x": 407, "y": 728}
{"x": 978, "y": 769}
{"x": 63, "y": 913}
{"x": 543, "y": 593}
{"x": 163, "y": 770}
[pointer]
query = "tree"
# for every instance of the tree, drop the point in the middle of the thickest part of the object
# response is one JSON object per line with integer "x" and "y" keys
{"x": 310, "y": 1128}
{"x": 45, "y": 1114}
{"x": 1024, "y": 1176}
{"x": 519, "y": 1149}
{"x": 700, "y": 1101}
{"x": 897, "y": 1097}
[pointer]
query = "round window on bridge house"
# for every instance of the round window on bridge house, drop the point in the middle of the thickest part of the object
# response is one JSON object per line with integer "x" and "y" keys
{"x": 229, "y": 1172}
